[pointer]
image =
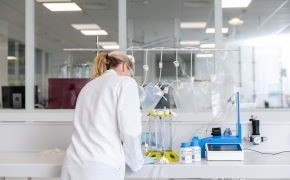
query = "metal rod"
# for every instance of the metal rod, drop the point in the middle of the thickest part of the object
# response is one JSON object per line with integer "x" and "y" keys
{"x": 122, "y": 22}
{"x": 97, "y": 44}
{"x": 218, "y": 23}
{"x": 29, "y": 54}
{"x": 283, "y": 28}
{"x": 254, "y": 74}
{"x": 153, "y": 49}
{"x": 191, "y": 64}
{"x": 240, "y": 68}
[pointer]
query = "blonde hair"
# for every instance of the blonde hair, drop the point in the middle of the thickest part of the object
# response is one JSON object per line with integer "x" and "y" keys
{"x": 105, "y": 61}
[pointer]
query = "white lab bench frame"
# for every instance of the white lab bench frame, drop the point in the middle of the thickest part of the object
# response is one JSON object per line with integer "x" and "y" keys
{"x": 36, "y": 165}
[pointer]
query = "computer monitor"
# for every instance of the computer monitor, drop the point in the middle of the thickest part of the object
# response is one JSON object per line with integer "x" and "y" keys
{"x": 14, "y": 96}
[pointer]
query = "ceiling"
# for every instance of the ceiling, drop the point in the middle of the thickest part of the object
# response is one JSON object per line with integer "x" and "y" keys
{"x": 150, "y": 22}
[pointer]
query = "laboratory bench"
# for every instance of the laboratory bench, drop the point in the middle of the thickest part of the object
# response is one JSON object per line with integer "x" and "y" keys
{"x": 34, "y": 164}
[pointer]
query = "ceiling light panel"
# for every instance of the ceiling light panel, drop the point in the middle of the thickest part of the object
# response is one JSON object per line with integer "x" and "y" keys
{"x": 204, "y": 55}
{"x": 86, "y": 26}
{"x": 98, "y": 32}
{"x": 104, "y": 43}
{"x": 235, "y": 3}
{"x": 192, "y": 25}
{"x": 70, "y": 6}
{"x": 47, "y": 1}
{"x": 207, "y": 46}
{"x": 189, "y": 43}
{"x": 212, "y": 30}
{"x": 11, "y": 58}
{"x": 110, "y": 46}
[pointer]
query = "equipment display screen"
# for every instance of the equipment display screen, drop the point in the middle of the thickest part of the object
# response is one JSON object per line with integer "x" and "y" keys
{"x": 224, "y": 147}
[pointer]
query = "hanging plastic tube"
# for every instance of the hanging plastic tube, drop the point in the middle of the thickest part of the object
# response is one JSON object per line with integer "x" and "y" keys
{"x": 160, "y": 65}
{"x": 145, "y": 68}
{"x": 133, "y": 59}
{"x": 191, "y": 66}
{"x": 176, "y": 64}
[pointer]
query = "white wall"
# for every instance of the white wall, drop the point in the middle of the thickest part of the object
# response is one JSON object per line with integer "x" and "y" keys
{"x": 40, "y": 131}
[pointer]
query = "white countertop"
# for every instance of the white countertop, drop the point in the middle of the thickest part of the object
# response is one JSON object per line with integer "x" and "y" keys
{"x": 254, "y": 166}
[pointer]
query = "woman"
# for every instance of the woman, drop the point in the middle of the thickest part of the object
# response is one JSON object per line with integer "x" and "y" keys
{"x": 107, "y": 123}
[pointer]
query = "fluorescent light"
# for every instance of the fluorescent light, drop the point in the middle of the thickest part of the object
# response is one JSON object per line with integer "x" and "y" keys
{"x": 11, "y": 57}
{"x": 204, "y": 55}
{"x": 103, "y": 43}
{"x": 98, "y": 32}
{"x": 47, "y": 1}
{"x": 212, "y": 30}
{"x": 236, "y": 21}
{"x": 235, "y": 3}
{"x": 85, "y": 26}
{"x": 190, "y": 43}
{"x": 207, "y": 46}
{"x": 111, "y": 46}
{"x": 62, "y": 6}
{"x": 192, "y": 25}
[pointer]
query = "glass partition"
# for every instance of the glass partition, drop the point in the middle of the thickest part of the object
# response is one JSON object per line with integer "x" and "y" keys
{"x": 260, "y": 29}
{"x": 12, "y": 54}
{"x": 169, "y": 24}
{"x": 257, "y": 31}
{"x": 60, "y": 71}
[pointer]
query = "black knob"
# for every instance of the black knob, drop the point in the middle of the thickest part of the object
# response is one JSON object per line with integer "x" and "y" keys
{"x": 255, "y": 126}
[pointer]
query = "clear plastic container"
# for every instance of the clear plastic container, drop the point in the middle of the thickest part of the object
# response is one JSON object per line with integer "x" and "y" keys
{"x": 150, "y": 95}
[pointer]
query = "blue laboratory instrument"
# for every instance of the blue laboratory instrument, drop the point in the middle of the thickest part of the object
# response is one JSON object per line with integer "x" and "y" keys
{"x": 224, "y": 139}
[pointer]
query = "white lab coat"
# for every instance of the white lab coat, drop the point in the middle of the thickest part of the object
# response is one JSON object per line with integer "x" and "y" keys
{"x": 107, "y": 126}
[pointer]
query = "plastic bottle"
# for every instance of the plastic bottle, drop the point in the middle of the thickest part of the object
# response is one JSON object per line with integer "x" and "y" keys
{"x": 185, "y": 153}
{"x": 196, "y": 150}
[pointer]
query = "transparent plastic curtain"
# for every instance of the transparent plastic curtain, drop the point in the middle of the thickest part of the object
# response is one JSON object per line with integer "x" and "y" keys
{"x": 222, "y": 87}
{"x": 189, "y": 95}
{"x": 214, "y": 94}
{"x": 221, "y": 92}
{"x": 183, "y": 95}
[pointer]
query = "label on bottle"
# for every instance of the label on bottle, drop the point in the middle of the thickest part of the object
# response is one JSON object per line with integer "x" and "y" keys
{"x": 196, "y": 153}
{"x": 185, "y": 155}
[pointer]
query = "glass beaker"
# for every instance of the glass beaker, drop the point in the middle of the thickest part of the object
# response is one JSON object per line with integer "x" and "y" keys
{"x": 160, "y": 137}
{"x": 166, "y": 133}
{"x": 154, "y": 124}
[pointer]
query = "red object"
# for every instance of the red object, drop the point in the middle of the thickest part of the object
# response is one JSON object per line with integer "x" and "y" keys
{"x": 63, "y": 93}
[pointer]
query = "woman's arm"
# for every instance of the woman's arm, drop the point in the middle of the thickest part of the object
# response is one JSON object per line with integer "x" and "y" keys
{"x": 129, "y": 121}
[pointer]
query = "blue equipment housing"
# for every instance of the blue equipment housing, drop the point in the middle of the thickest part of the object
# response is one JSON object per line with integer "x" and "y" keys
{"x": 225, "y": 139}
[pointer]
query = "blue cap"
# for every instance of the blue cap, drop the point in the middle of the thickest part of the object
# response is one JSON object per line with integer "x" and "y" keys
{"x": 195, "y": 142}
{"x": 195, "y": 138}
{"x": 185, "y": 144}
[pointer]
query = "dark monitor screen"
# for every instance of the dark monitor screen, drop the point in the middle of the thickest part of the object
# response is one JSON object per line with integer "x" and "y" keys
{"x": 14, "y": 96}
{"x": 224, "y": 147}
